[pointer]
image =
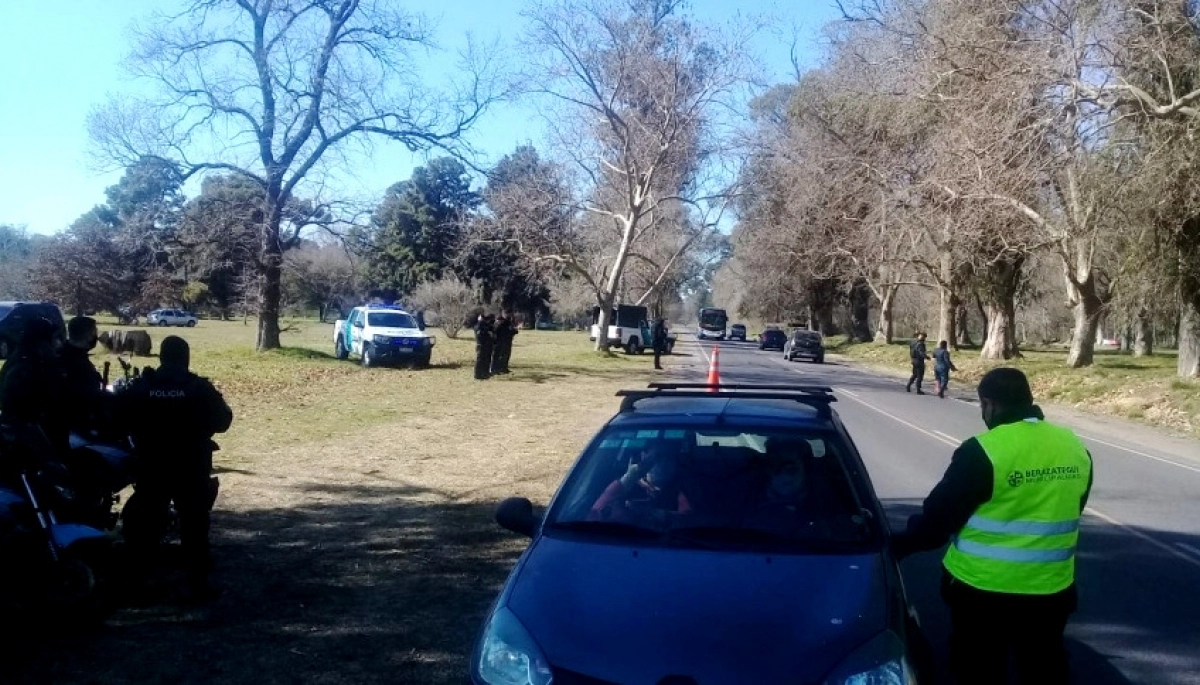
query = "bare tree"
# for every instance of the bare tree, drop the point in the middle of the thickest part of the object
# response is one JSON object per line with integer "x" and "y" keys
{"x": 451, "y": 299}
{"x": 273, "y": 89}
{"x": 639, "y": 92}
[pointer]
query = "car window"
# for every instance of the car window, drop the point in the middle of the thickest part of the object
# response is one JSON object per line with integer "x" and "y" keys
{"x": 391, "y": 320}
{"x": 779, "y": 489}
{"x": 4, "y": 310}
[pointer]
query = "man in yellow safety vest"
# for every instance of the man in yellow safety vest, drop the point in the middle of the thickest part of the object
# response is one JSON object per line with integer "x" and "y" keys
{"x": 1009, "y": 504}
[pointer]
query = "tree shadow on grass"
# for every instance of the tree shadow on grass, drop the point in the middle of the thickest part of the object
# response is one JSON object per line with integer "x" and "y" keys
{"x": 381, "y": 585}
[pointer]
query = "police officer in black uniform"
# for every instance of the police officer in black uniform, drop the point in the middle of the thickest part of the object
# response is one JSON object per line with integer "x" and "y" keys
{"x": 919, "y": 355}
{"x": 173, "y": 414}
{"x": 86, "y": 402}
{"x": 31, "y": 383}
{"x": 485, "y": 343}
{"x": 659, "y": 339}
{"x": 506, "y": 330}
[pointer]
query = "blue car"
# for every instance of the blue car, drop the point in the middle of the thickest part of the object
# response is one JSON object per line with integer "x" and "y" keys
{"x": 706, "y": 538}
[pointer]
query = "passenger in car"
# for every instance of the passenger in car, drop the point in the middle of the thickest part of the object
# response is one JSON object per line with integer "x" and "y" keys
{"x": 649, "y": 490}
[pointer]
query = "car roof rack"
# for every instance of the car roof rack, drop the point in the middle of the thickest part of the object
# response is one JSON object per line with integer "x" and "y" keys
{"x": 816, "y": 396}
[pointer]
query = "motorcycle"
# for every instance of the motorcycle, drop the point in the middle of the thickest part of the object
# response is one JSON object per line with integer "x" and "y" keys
{"x": 53, "y": 570}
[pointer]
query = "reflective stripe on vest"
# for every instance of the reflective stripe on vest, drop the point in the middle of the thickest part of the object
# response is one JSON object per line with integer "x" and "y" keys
{"x": 1023, "y": 539}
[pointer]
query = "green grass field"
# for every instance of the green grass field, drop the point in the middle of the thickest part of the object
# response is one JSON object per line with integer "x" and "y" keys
{"x": 1140, "y": 388}
{"x": 353, "y": 535}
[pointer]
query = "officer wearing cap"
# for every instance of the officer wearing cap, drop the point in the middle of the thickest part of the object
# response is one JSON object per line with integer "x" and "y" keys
{"x": 173, "y": 414}
{"x": 1009, "y": 504}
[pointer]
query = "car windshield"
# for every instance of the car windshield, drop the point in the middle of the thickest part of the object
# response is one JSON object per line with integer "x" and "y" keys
{"x": 750, "y": 489}
{"x": 4, "y": 310}
{"x": 391, "y": 320}
{"x": 808, "y": 337}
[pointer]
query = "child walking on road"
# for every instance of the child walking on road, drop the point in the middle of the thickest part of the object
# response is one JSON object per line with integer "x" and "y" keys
{"x": 942, "y": 366}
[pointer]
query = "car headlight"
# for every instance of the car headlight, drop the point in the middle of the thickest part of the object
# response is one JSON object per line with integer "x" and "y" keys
{"x": 381, "y": 339}
{"x": 882, "y": 661}
{"x": 508, "y": 654}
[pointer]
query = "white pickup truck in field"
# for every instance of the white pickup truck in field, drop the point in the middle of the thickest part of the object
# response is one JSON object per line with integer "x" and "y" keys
{"x": 381, "y": 334}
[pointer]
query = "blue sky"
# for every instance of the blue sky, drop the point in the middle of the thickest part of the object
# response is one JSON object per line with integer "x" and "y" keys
{"x": 61, "y": 58}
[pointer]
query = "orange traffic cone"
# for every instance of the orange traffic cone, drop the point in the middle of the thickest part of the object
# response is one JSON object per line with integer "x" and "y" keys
{"x": 714, "y": 369}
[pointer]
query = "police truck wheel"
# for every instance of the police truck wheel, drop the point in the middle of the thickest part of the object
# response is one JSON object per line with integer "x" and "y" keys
{"x": 339, "y": 350}
{"x": 368, "y": 359}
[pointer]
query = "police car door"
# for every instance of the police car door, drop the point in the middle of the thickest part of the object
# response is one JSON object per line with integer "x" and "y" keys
{"x": 357, "y": 322}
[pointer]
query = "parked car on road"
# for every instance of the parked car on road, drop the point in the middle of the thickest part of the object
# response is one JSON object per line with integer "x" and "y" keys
{"x": 702, "y": 538}
{"x": 772, "y": 339}
{"x": 805, "y": 344}
{"x": 171, "y": 317}
{"x": 15, "y": 315}
{"x": 737, "y": 332}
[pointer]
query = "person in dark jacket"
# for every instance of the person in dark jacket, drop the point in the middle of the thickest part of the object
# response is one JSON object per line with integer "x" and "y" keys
{"x": 505, "y": 331}
{"x": 918, "y": 355}
{"x": 485, "y": 342}
{"x": 1009, "y": 504}
{"x": 86, "y": 402}
{"x": 32, "y": 388}
{"x": 942, "y": 366}
{"x": 173, "y": 414}
{"x": 658, "y": 338}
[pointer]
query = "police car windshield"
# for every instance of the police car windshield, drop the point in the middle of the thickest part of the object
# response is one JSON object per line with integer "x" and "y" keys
{"x": 748, "y": 489}
{"x": 391, "y": 320}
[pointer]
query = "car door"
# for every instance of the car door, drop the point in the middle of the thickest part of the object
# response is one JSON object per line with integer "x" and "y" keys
{"x": 357, "y": 324}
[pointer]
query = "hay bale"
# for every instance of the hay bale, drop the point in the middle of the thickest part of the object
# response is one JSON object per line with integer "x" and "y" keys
{"x": 138, "y": 343}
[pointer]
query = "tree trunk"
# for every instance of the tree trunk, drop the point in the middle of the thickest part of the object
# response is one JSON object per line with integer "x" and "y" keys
{"x": 962, "y": 324}
{"x": 982, "y": 314}
{"x": 1087, "y": 322}
{"x": 608, "y": 294}
{"x": 885, "y": 329}
{"x": 1189, "y": 340}
{"x": 268, "y": 314}
{"x": 948, "y": 311}
{"x": 1001, "y": 340}
{"x": 860, "y": 312}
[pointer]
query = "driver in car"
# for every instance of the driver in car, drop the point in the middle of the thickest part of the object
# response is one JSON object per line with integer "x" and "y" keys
{"x": 650, "y": 489}
{"x": 782, "y": 506}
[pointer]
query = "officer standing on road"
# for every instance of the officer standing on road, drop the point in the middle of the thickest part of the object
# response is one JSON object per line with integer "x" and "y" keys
{"x": 918, "y": 354}
{"x": 659, "y": 339}
{"x": 485, "y": 341}
{"x": 173, "y": 415}
{"x": 1010, "y": 504}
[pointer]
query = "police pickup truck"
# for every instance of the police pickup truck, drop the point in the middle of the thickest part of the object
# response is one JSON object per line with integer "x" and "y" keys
{"x": 380, "y": 334}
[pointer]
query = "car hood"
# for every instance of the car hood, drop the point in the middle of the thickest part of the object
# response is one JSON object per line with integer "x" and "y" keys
{"x": 636, "y": 615}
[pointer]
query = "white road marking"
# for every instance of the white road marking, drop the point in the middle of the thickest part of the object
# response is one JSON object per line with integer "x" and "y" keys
{"x": 848, "y": 392}
{"x": 1144, "y": 537}
{"x": 947, "y": 436}
{"x": 1090, "y": 510}
{"x": 1140, "y": 454}
{"x": 933, "y": 434}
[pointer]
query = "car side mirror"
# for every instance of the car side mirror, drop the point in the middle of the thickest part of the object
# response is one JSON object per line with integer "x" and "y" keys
{"x": 516, "y": 514}
{"x": 358, "y": 324}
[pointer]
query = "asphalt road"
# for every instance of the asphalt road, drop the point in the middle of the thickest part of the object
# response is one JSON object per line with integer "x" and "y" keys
{"x": 1139, "y": 554}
